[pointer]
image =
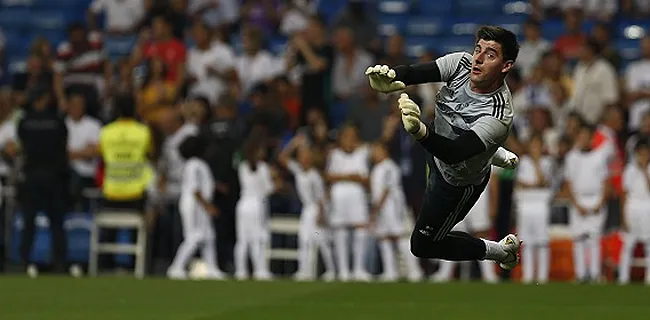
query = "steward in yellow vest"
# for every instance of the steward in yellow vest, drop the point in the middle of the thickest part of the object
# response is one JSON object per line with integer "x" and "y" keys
{"x": 124, "y": 145}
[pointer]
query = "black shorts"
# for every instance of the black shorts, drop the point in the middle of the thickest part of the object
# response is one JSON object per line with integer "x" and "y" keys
{"x": 444, "y": 205}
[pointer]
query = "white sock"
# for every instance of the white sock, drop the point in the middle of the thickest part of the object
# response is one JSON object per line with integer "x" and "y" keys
{"x": 494, "y": 251}
{"x": 209, "y": 255}
{"x": 241, "y": 261}
{"x": 341, "y": 247}
{"x": 304, "y": 256}
{"x": 487, "y": 270}
{"x": 326, "y": 253}
{"x": 626, "y": 259}
{"x": 404, "y": 245}
{"x": 543, "y": 263}
{"x": 594, "y": 248}
{"x": 185, "y": 252}
{"x": 527, "y": 263}
{"x": 579, "y": 259}
{"x": 388, "y": 260}
{"x": 260, "y": 262}
{"x": 360, "y": 235}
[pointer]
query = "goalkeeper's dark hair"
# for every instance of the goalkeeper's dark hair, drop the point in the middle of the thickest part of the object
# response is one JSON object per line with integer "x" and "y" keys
{"x": 506, "y": 38}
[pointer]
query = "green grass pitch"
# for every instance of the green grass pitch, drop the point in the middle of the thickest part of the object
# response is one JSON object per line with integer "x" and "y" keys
{"x": 111, "y": 298}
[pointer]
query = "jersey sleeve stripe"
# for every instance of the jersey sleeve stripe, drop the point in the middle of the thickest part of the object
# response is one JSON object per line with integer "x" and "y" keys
{"x": 463, "y": 63}
{"x": 498, "y": 105}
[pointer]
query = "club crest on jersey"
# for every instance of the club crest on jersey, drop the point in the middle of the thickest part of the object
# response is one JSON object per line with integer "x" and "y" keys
{"x": 462, "y": 106}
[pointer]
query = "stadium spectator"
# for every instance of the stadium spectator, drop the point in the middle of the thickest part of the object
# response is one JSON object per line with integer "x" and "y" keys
{"x": 166, "y": 48}
{"x": 122, "y": 17}
{"x": 172, "y": 10}
{"x": 596, "y": 84}
{"x": 318, "y": 136}
{"x": 532, "y": 48}
{"x": 357, "y": 18}
{"x": 43, "y": 138}
{"x": 42, "y": 48}
{"x": 608, "y": 137}
{"x": 635, "y": 8}
{"x": 83, "y": 137}
{"x": 534, "y": 93}
{"x": 641, "y": 135}
{"x": 314, "y": 55}
{"x": 210, "y": 66}
{"x": 602, "y": 34}
{"x": 8, "y": 150}
{"x": 350, "y": 63}
{"x": 267, "y": 114}
{"x": 296, "y": 14}
{"x": 262, "y": 14}
{"x": 394, "y": 52}
{"x": 36, "y": 75}
{"x": 427, "y": 91}
{"x": 367, "y": 113}
{"x": 157, "y": 92}
{"x": 256, "y": 65}
{"x": 569, "y": 45}
{"x": 124, "y": 80}
{"x": 290, "y": 100}
{"x": 553, "y": 66}
{"x": 82, "y": 60}
{"x": 572, "y": 126}
{"x": 637, "y": 82}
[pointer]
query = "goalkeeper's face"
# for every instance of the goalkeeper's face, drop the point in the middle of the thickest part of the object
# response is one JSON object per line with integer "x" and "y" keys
{"x": 489, "y": 65}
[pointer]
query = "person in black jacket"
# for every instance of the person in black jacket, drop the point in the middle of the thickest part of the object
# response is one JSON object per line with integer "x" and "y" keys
{"x": 43, "y": 137}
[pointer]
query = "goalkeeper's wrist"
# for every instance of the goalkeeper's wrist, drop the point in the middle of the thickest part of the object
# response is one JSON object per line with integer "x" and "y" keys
{"x": 419, "y": 132}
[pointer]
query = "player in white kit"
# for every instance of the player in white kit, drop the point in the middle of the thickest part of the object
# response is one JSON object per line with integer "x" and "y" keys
{"x": 636, "y": 211}
{"x": 533, "y": 199}
{"x": 388, "y": 216}
{"x": 251, "y": 213}
{"x": 586, "y": 176}
{"x": 478, "y": 223}
{"x": 311, "y": 191}
{"x": 196, "y": 209}
{"x": 347, "y": 174}
{"x": 473, "y": 118}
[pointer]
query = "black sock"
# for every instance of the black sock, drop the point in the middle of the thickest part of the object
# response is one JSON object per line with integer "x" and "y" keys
{"x": 456, "y": 246}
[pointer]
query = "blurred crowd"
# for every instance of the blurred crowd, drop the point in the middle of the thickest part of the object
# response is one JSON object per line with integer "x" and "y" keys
{"x": 208, "y": 67}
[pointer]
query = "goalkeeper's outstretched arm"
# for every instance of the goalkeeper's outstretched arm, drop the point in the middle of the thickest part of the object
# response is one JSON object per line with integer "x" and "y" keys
{"x": 418, "y": 73}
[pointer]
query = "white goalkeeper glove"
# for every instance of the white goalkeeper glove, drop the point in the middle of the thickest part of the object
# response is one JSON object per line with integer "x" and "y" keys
{"x": 411, "y": 116}
{"x": 381, "y": 79}
{"x": 503, "y": 158}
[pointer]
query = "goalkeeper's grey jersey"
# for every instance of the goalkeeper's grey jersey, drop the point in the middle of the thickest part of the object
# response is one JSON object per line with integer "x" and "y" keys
{"x": 459, "y": 109}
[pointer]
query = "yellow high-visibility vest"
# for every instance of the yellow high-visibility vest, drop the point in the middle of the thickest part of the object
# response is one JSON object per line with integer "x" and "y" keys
{"x": 124, "y": 145}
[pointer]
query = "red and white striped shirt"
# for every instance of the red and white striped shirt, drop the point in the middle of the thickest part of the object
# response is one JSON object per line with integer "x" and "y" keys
{"x": 82, "y": 65}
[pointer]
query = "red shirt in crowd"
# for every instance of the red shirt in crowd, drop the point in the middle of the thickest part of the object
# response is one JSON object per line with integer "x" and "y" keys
{"x": 569, "y": 45}
{"x": 172, "y": 52}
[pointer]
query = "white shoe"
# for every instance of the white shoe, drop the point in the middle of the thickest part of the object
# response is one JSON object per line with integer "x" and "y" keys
{"x": 439, "y": 278}
{"x": 344, "y": 277}
{"x": 263, "y": 276}
{"x": 176, "y": 274}
{"x": 215, "y": 275}
{"x": 511, "y": 245}
{"x": 241, "y": 276}
{"x": 362, "y": 276}
{"x": 329, "y": 276}
{"x": 414, "y": 277}
{"x": 388, "y": 277}
{"x": 32, "y": 271}
{"x": 302, "y": 277}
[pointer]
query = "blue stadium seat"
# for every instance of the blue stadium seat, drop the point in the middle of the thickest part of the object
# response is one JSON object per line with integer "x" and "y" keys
{"x": 629, "y": 29}
{"x": 457, "y": 43}
{"x": 516, "y": 7}
{"x": 552, "y": 29}
{"x": 59, "y": 4}
{"x": 429, "y": 7}
{"x": 277, "y": 45}
{"x": 14, "y": 18}
{"x": 393, "y": 6}
{"x": 392, "y": 24}
{"x": 464, "y": 26}
{"x": 330, "y": 8}
{"x": 425, "y": 26}
{"x": 513, "y": 23}
{"x": 416, "y": 46}
{"x": 482, "y": 7}
{"x": 48, "y": 20}
{"x": 629, "y": 49}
